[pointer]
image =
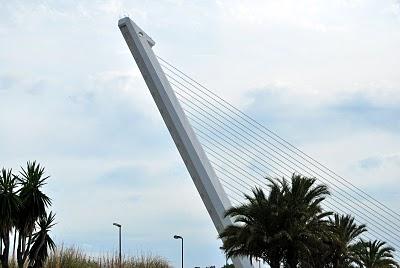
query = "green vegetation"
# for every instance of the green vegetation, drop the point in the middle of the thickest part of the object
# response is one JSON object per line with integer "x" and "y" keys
{"x": 375, "y": 254}
{"x": 23, "y": 212}
{"x": 289, "y": 227}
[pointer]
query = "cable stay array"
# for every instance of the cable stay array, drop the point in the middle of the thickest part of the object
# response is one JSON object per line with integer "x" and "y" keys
{"x": 244, "y": 153}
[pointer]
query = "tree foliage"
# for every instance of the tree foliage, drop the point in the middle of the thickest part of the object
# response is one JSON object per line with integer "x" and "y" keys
{"x": 375, "y": 254}
{"x": 289, "y": 227}
{"x": 23, "y": 211}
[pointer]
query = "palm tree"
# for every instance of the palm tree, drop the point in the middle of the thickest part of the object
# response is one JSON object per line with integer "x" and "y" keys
{"x": 344, "y": 233}
{"x": 284, "y": 227}
{"x": 375, "y": 254}
{"x": 9, "y": 207}
{"x": 253, "y": 235}
{"x": 42, "y": 242}
{"x": 33, "y": 207}
{"x": 304, "y": 219}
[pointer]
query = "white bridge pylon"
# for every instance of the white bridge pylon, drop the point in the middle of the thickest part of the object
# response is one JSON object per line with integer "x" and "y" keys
{"x": 203, "y": 175}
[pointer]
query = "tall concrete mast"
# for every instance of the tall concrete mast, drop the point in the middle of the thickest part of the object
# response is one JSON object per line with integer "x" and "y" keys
{"x": 191, "y": 151}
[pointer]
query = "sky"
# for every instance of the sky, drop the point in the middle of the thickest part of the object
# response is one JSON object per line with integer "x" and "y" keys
{"x": 323, "y": 74}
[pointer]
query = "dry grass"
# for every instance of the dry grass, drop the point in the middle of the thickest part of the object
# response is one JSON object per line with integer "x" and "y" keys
{"x": 75, "y": 258}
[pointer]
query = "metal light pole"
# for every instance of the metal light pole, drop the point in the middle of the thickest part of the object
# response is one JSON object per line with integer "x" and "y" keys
{"x": 226, "y": 256}
{"x": 120, "y": 256}
{"x": 180, "y": 237}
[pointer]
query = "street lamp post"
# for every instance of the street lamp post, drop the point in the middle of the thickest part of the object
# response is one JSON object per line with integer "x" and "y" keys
{"x": 226, "y": 256}
{"x": 120, "y": 256}
{"x": 180, "y": 237}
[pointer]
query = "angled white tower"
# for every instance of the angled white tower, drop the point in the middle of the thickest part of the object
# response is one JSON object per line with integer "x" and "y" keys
{"x": 192, "y": 153}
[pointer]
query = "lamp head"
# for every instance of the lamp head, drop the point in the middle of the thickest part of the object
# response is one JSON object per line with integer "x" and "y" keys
{"x": 177, "y": 237}
{"x": 117, "y": 224}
